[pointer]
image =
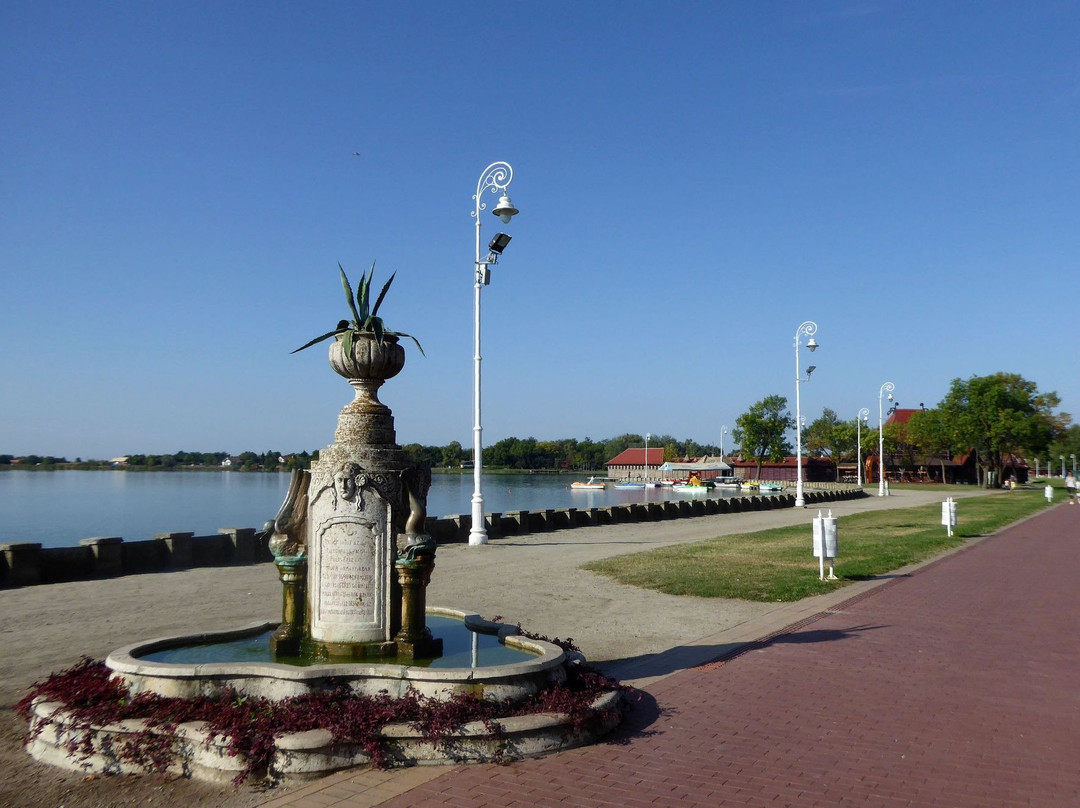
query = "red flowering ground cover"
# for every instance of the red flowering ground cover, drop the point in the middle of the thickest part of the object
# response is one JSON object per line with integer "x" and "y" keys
{"x": 92, "y": 697}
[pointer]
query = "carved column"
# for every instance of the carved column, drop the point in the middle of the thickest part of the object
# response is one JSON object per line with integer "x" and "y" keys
{"x": 289, "y": 637}
{"x": 414, "y": 641}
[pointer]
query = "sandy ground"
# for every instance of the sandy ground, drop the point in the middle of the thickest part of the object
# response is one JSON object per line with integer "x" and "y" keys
{"x": 533, "y": 580}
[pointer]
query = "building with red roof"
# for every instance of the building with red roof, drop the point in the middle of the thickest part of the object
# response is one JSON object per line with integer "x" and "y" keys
{"x": 632, "y": 463}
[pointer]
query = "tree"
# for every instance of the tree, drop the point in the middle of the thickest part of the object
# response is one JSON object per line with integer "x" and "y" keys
{"x": 1067, "y": 445}
{"x": 761, "y": 430}
{"x": 928, "y": 432}
{"x": 424, "y": 455}
{"x": 830, "y": 437}
{"x": 452, "y": 454}
{"x": 998, "y": 415}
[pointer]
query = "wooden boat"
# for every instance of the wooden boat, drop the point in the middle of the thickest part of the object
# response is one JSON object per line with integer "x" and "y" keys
{"x": 591, "y": 485}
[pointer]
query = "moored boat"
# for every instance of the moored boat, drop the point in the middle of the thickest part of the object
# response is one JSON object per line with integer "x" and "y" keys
{"x": 690, "y": 488}
{"x": 592, "y": 484}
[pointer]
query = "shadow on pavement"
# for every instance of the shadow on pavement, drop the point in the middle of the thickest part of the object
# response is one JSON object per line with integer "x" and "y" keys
{"x": 642, "y": 712}
{"x": 685, "y": 657}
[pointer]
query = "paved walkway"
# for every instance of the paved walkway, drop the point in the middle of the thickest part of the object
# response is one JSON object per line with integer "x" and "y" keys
{"x": 956, "y": 684}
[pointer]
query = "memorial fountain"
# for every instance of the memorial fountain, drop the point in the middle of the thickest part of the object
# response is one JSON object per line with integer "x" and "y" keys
{"x": 354, "y": 563}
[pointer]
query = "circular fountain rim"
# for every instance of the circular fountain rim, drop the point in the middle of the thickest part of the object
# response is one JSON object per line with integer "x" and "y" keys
{"x": 127, "y": 662}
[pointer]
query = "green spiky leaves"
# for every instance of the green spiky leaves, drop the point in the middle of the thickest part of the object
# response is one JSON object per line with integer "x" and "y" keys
{"x": 365, "y": 317}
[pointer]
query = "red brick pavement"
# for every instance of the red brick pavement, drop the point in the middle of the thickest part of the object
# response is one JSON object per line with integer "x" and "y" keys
{"x": 956, "y": 686}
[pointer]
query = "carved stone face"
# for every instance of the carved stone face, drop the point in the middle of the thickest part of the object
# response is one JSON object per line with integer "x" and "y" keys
{"x": 345, "y": 485}
{"x": 345, "y": 481}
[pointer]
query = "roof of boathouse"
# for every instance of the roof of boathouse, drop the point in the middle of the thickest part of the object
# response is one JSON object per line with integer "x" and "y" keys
{"x": 899, "y": 416}
{"x": 636, "y": 457}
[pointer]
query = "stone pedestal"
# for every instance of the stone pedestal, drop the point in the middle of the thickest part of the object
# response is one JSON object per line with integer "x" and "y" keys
{"x": 414, "y": 640}
{"x": 289, "y": 637}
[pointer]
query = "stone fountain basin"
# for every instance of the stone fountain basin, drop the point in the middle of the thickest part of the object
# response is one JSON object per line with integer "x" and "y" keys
{"x": 276, "y": 681}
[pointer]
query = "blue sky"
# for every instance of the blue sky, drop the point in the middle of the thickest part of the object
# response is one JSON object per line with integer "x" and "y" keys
{"x": 695, "y": 179}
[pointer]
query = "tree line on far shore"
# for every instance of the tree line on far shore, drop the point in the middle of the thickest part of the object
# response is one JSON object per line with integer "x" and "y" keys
{"x": 998, "y": 416}
{"x": 248, "y": 461}
{"x": 530, "y": 454}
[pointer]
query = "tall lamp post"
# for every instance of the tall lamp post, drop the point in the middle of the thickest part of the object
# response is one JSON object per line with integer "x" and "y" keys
{"x": 647, "y": 436}
{"x": 723, "y": 431}
{"x": 809, "y": 328}
{"x": 860, "y": 419}
{"x": 1062, "y": 459}
{"x": 497, "y": 177}
{"x": 1073, "y": 463}
{"x": 887, "y": 387}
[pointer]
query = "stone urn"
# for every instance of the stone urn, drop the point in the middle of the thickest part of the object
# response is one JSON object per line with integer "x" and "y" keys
{"x": 369, "y": 358}
{"x": 366, "y": 420}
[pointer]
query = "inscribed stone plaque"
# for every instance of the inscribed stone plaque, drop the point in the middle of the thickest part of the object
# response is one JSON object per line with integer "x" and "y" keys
{"x": 348, "y": 570}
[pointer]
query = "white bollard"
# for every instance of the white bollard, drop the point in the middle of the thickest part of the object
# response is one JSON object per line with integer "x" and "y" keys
{"x": 948, "y": 514}
{"x": 828, "y": 525}
{"x": 819, "y": 542}
{"x": 825, "y": 544}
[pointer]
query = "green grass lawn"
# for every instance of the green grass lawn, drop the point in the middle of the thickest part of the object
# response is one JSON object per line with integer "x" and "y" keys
{"x": 778, "y": 565}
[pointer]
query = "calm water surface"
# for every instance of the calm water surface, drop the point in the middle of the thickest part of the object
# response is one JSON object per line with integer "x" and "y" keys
{"x": 58, "y": 508}
{"x": 457, "y": 650}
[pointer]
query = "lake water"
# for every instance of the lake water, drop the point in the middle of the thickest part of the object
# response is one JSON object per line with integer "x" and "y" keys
{"x": 58, "y": 508}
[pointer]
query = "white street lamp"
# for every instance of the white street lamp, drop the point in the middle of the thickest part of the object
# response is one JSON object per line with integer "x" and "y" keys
{"x": 1073, "y": 463}
{"x": 809, "y": 328}
{"x": 647, "y": 436}
{"x": 888, "y": 386}
{"x": 497, "y": 177}
{"x": 860, "y": 419}
{"x": 1062, "y": 458}
{"x": 1036, "y": 468}
{"x": 723, "y": 431}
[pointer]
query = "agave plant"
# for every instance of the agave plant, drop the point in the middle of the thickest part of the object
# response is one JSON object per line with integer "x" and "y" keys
{"x": 365, "y": 317}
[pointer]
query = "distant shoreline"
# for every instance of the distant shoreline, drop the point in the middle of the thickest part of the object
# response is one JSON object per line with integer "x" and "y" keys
{"x": 137, "y": 469}
{"x": 235, "y": 469}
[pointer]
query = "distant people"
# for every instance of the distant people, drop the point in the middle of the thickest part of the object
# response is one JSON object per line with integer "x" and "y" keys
{"x": 1070, "y": 486}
